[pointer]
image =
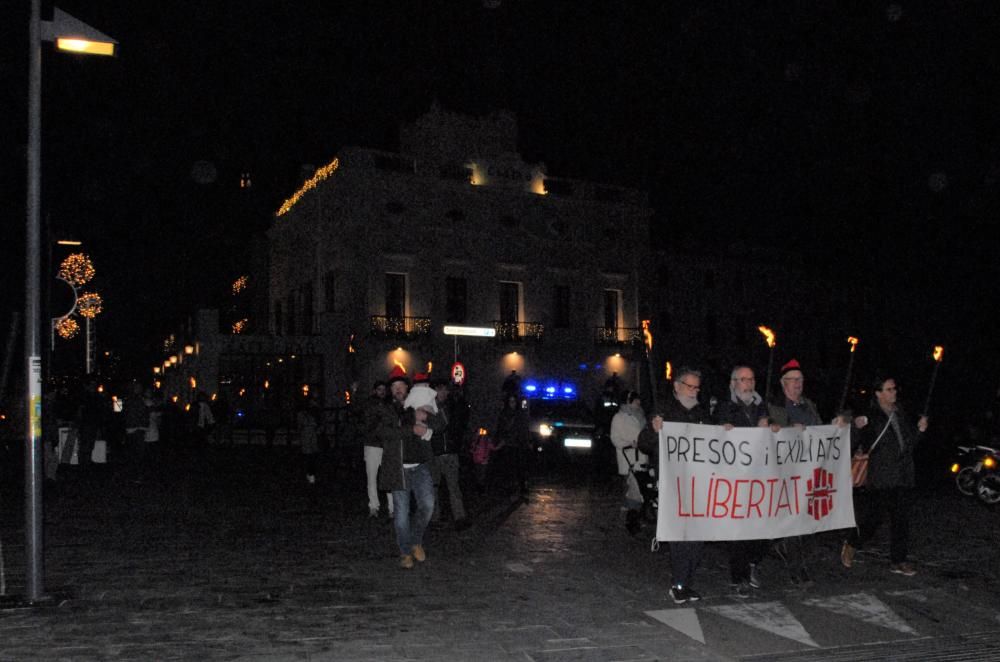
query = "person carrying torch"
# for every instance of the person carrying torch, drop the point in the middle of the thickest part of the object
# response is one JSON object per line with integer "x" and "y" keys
{"x": 889, "y": 437}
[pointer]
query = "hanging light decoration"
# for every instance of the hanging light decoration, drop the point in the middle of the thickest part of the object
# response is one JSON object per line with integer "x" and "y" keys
{"x": 90, "y": 304}
{"x": 76, "y": 269}
{"x": 239, "y": 326}
{"x": 67, "y": 327}
{"x": 240, "y": 284}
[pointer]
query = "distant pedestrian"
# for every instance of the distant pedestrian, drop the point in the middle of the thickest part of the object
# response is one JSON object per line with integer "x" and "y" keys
{"x": 309, "y": 424}
{"x": 204, "y": 418}
{"x": 625, "y": 428}
{"x": 513, "y": 439}
{"x": 446, "y": 445}
{"x": 136, "y": 413}
{"x": 373, "y": 447}
{"x": 483, "y": 449}
{"x": 92, "y": 418}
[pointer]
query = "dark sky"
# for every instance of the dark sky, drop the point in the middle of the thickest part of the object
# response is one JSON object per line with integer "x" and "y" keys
{"x": 862, "y": 135}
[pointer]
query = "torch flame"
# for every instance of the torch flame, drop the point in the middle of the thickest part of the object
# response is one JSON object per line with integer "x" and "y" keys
{"x": 668, "y": 371}
{"x": 399, "y": 365}
{"x": 647, "y": 335}
{"x": 430, "y": 367}
{"x": 938, "y": 353}
{"x": 853, "y": 341}
{"x": 768, "y": 335}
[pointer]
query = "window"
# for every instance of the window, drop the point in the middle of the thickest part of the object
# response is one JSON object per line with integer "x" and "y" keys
{"x": 612, "y": 308}
{"x": 510, "y": 302}
{"x": 330, "y": 292}
{"x": 279, "y": 322}
{"x": 307, "y": 308}
{"x": 561, "y": 307}
{"x": 455, "y": 300}
{"x": 290, "y": 320}
{"x": 395, "y": 295}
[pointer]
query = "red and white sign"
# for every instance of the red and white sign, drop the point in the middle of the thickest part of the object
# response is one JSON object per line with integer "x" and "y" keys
{"x": 458, "y": 373}
{"x": 751, "y": 483}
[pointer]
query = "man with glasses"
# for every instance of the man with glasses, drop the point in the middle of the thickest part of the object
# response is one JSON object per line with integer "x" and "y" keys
{"x": 791, "y": 408}
{"x": 681, "y": 406}
{"x": 889, "y": 436}
{"x": 744, "y": 409}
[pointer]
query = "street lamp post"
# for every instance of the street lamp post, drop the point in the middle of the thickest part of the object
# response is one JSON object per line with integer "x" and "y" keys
{"x": 72, "y": 35}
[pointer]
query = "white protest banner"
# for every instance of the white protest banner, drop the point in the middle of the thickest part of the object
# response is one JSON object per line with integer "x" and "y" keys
{"x": 752, "y": 483}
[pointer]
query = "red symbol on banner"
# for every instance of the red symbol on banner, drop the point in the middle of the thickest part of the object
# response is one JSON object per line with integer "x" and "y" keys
{"x": 820, "y": 491}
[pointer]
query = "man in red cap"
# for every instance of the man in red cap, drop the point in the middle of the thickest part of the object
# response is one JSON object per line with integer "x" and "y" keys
{"x": 791, "y": 408}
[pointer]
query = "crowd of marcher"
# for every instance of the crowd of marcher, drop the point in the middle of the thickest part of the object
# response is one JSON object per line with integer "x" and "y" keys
{"x": 885, "y": 432}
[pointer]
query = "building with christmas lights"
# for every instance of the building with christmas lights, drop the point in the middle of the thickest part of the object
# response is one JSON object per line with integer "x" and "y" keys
{"x": 374, "y": 255}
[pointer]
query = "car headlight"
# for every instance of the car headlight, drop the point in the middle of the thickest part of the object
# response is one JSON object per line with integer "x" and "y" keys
{"x": 545, "y": 430}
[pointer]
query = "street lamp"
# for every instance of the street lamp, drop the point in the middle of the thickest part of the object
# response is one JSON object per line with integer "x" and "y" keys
{"x": 73, "y": 35}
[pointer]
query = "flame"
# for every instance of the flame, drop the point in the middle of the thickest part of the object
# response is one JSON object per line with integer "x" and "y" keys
{"x": 853, "y": 341}
{"x": 647, "y": 335}
{"x": 768, "y": 335}
{"x": 430, "y": 367}
{"x": 399, "y": 365}
{"x": 350, "y": 345}
{"x": 938, "y": 353}
{"x": 347, "y": 397}
{"x": 193, "y": 382}
{"x": 483, "y": 432}
{"x": 668, "y": 371}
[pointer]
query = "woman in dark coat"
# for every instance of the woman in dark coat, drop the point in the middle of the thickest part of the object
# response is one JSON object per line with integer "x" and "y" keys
{"x": 890, "y": 437}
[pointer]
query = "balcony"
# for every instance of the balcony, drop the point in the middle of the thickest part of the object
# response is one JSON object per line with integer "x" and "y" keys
{"x": 620, "y": 336}
{"x": 527, "y": 332}
{"x": 400, "y": 328}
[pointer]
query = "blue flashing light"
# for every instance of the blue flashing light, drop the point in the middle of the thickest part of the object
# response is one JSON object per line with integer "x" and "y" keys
{"x": 550, "y": 390}
{"x": 240, "y": 413}
{"x": 568, "y": 390}
{"x": 583, "y": 366}
{"x": 530, "y": 387}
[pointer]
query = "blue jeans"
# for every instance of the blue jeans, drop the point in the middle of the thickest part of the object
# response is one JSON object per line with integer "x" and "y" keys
{"x": 421, "y": 485}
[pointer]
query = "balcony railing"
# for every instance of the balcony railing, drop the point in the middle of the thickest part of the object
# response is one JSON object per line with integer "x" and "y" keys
{"x": 518, "y": 331}
{"x": 383, "y": 326}
{"x": 617, "y": 335}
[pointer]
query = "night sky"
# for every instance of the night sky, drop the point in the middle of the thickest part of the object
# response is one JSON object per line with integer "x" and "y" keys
{"x": 858, "y": 134}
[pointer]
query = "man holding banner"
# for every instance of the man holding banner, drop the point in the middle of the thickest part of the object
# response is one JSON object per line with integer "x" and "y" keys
{"x": 792, "y": 408}
{"x": 744, "y": 409}
{"x": 683, "y": 408}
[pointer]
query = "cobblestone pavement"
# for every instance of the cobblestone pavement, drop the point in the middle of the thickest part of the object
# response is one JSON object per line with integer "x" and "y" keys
{"x": 235, "y": 557}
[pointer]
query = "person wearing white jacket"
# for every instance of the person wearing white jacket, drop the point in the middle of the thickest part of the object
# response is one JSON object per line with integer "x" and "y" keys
{"x": 625, "y": 428}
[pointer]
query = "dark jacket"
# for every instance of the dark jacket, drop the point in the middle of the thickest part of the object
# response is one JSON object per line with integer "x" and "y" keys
{"x": 399, "y": 445}
{"x": 672, "y": 411}
{"x": 778, "y": 411}
{"x": 891, "y": 463}
{"x": 740, "y": 415}
{"x": 370, "y": 419}
{"x": 513, "y": 428}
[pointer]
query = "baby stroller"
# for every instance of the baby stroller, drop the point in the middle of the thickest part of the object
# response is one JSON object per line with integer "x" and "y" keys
{"x": 642, "y": 494}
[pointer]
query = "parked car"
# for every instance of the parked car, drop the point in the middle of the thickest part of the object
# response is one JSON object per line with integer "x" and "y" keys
{"x": 561, "y": 426}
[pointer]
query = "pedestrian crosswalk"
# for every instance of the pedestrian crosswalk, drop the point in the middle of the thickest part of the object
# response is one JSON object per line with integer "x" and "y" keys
{"x": 819, "y": 622}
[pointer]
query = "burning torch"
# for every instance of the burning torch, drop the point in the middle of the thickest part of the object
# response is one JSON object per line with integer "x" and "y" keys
{"x": 938, "y": 355}
{"x": 769, "y": 337}
{"x": 647, "y": 341}
{"x": 853, "y": 342}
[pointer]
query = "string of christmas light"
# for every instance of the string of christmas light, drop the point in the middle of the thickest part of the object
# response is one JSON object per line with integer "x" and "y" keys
{"x": 311, "y": 183}
{"x": 239, "y": 285}
{"x": 67, "y": 328}
{"x": 90, "y": 304}
{"x": 239, "y": 326}
{"x": 76, "y": 269}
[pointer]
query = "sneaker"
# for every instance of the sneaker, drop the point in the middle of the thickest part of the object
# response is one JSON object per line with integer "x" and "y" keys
{"x": 740, "y": 590}
{"x": 904, "y": 568}
{"x": 692, "y": 595}
{"x": 419, "y": 553}
{"x": 406, "y": 562}
{"x": 754, "y": 577}
{"x": 847, "y": 555}
{"x": 679, "y": 595}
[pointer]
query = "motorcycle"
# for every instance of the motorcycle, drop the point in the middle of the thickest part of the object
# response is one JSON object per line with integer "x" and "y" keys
{"x": 975, "y": 470}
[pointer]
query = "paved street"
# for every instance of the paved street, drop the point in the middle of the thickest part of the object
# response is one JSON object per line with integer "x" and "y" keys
{"x": 234, "y": 557}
